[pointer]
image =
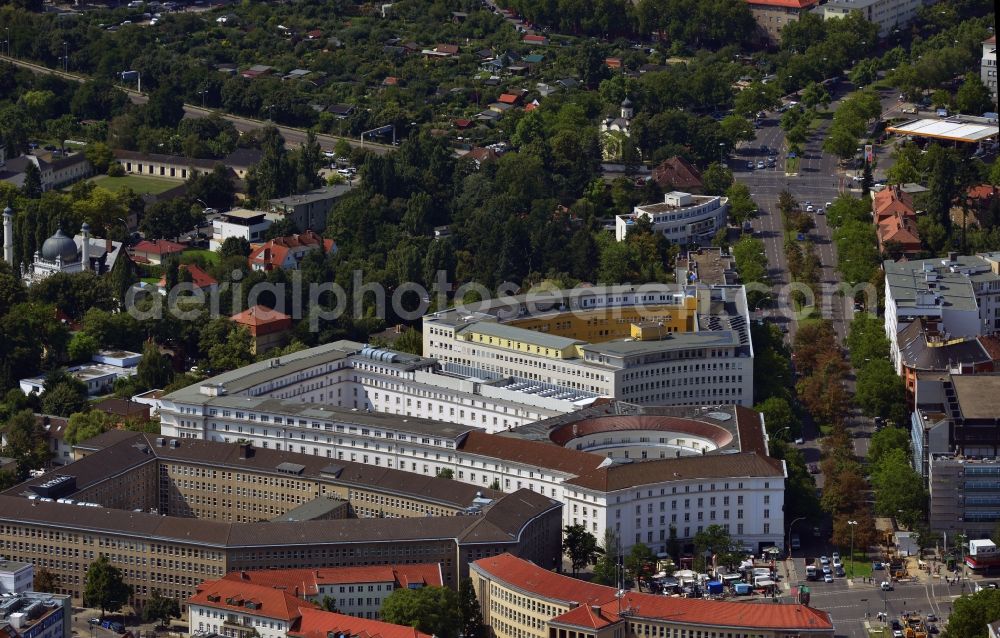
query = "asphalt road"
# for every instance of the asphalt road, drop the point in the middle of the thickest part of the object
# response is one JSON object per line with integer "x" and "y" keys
{"x": 294, "y": 137}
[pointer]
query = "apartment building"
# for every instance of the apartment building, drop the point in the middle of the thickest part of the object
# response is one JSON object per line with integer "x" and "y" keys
{"x": 35, "y": 615}
{"x": 772, "y": 15}
{"x": 682, "y": 218}
{"x": 988, "y": 65}
{"x": 245, "y": 610}
{"x": 960, "y": 294}
{"x": 887, "y": 15}
{"x": 955, "y": 436}
{"x": 521, "y": 600}
{"x": 657, "y": 344}
{"x": 355, "y": 591}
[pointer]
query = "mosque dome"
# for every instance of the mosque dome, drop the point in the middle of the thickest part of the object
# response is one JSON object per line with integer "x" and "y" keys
{"x": 60, "y": 246}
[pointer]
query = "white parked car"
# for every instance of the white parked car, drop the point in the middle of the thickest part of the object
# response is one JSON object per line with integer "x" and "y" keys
{"x": 810, "y": 208}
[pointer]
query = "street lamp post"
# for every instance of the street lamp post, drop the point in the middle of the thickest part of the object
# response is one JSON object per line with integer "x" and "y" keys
{"x": 852, "y": 524}
{"x": 65, "y": 58}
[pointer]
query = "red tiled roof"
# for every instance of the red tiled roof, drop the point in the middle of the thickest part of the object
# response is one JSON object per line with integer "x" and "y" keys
{"x": 273, "y": 253}
{"x": 991, "y": 345}
{"x": 983, "y": 191}
{"x": 262, "y": 320}
{"x": 316, "y": 623}
{"x": 535, "y": 453}
{"x": 304, "y": 618}
{"x": 714, "y": 613}
{"x": 158, "y": 247}
{"x": 789, "y": 4}
{"x": 677, "y": 173}
{"x": 587, "y": 617}
{"x": 199, "y": 277}
{"x": 463, "y": 123}
{"x": 508, "y": 98}
{"x": 532, "y": 579}
{"x": 274, "y": 603}
{"x": 305, "y": 582}
{"x": 535, "y": 39}
{"x": 390, "y": 81}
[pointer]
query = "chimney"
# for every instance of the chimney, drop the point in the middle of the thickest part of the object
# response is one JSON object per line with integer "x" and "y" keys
{"x": 952, "y": 256}
{"x": 243, "y": 575}
{"x": 108, "y": 246}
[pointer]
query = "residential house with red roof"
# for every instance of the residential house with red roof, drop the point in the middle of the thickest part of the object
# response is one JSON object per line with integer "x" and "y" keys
{"x": 677, "y": 174}
{"x": 532, "y": 38}
{"x": 344, "y": 584}
{"x": 896, "y": 222}
{"x": 190, "y": 273}
{"x": 772, "y": 15}
{"x": 154, "y": 252}
{"x": 523, "y": 600}
{"x": 287, "y": 252}
{"x": 268, "y": 328}
{"x": 242, "y": 609}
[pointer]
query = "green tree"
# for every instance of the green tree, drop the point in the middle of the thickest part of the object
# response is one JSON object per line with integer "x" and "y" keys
{"x": 880, "y": 391}
{"x": 232, "y": 353}
{"x": 105, "y": 586}
{"x": 26, "y": 442}
{"x": 81, "y": 347}
{"x": 971, "y": 614}
{"x": 234, "y": 246}
{"x": 63, "y": 395}
{"x": 899, "y": 489}
{"x": 411, "y": 341}
{"x": 716, "y": 539}
{"x": 640, "y": 560}
{"x": 273, "y": 175}
{"x": 155, "y": 369}
{"x": 779, "y": 418}
{"x": 469, "y": 611}
{"x": 432, "y": 610}
{"x": 46, "y": 581}
{"x": 32, "y": 187}
{"x": 87, "y": 425}
{"x": 580, "y": 546}
{"x": 160, "y": 609}
{"x": 99, "y": 156}
{"x": 973, "y": 97}
{"x": 342, "y": 149}
{"x": 446, "y": 473}
{"x": 716, "y": 179}
{"x": 606, "y": 567}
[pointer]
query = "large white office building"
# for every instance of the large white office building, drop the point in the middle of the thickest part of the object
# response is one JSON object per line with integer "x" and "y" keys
{"x": 682, "y": 218}
{"x": 638, "y": 470}
{"x": 887, "y": 15}
{"x": 655, "y": 344}
{"x": 960, "y": 294}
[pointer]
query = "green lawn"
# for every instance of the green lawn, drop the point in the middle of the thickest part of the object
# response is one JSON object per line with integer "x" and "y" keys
{"x": 862, "y": 566}
{"x": 151, "y": 280}
{"x": 208, "y": 256}
{"x": 139, "y": 183}
{"x": 791, "y": 165}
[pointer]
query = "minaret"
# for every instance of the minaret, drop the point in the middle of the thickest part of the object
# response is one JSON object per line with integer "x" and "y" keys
{"x": 85, "y": 253}
{"x": 8, "y": 236}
